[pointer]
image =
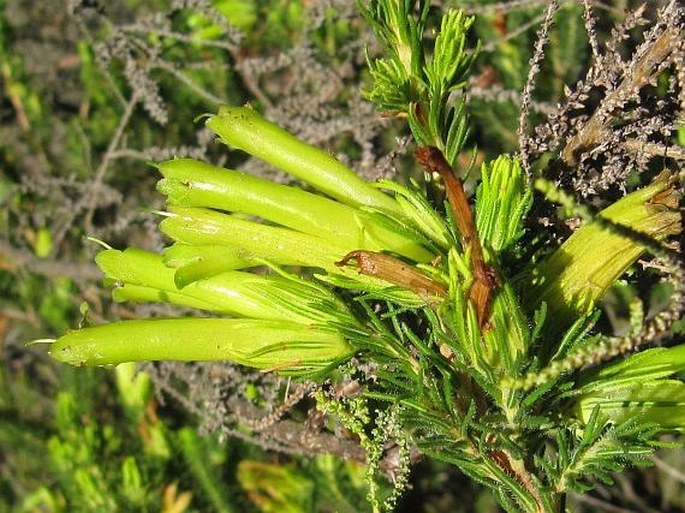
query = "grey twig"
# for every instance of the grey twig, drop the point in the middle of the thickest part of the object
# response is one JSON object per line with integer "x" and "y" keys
{"x": 656, "y": 150}
{"x": 291, "y": 434}
{"x": 23, "y": 259}
{"x": 526, "y": 97}
{"x": 641, "y": 72}
{"x": 186, "y": 80}
{"x": 667, "y": 469}
{"x": 88, "y": 201}
{"x": 590, "y": 29}
{"x": 302, "y": 390}
{"x": 104, "y": 163}
{"x": 514, "y": 5}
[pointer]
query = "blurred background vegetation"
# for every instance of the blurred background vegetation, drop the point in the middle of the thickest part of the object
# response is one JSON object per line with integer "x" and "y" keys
{"x": 89, "y": 92}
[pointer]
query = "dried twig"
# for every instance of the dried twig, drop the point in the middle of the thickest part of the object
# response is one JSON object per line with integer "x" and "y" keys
{"x": 485, "y": 277}
{"x": 88, "y": 201}
{"x": 261, "y": 424}
{"x": 21, "y": 259}
{"x": 290, "y": 437}
{"x": 497, "y": 93}
{"x": 514, "y": 5}
{"x": 656, "y": 150}
{"x": 641, "y": 72}
{"x": 526, "y": 97}
{"x": 668, "y": 469}
{"x": 590, "y": 29}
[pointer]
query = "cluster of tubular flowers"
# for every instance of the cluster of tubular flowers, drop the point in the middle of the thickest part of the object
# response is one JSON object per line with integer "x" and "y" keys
{"x": 236, "y": 240}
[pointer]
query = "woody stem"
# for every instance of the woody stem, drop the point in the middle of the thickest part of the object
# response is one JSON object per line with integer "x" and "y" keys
{"x": 485, "y": 281}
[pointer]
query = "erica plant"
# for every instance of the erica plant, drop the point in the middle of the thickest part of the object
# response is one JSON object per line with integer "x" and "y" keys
{"x": 456, "y": 328}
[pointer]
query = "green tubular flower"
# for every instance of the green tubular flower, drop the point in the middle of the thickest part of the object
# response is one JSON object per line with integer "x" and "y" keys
{"x": 278, "y": 246}
{"x": 196, "y": 262}
{"x": 282, "y": 246}
{"x": 190, "y": 183}
{"x": 142, "y": 276}
{"x": 245, "y": 129}
{"x": 578, "y": 274}
{"x": 286, "y": 346}
{"x": 649, "y": 365}
{"x": 661, "y": 402}
{"x": 142, "y": 294}
{"x": 638, "y": 385}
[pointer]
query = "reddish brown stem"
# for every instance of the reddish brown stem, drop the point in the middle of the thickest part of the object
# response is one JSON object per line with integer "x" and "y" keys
{"x": 485, "y": 277}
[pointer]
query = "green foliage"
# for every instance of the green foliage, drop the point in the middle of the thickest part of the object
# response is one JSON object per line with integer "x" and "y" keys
{"x": 348, "y": 281}
{"x": 604, "y": 448}
{"x": 503, "y": 200}
{"x": 408, "y": 83}
{"x": 636, "y": 388}
{"x": 96, "y": 466}
{"x": 453, "y": 366}
{"x": 204, "y": 460}
{"x": 585, "y": 251}
{"x": 397, "y": 78}
{"x": 323, "y": 484}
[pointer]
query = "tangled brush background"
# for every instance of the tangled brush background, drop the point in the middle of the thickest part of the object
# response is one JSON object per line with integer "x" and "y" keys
{"x": 92, "y": 94}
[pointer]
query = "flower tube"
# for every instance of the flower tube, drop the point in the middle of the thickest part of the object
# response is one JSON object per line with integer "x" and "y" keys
{"x": 191, "y": 183}
{"x": 286, "y": 346}
{"x": 142, "y": 276}
{"x": 245, "y": 129}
